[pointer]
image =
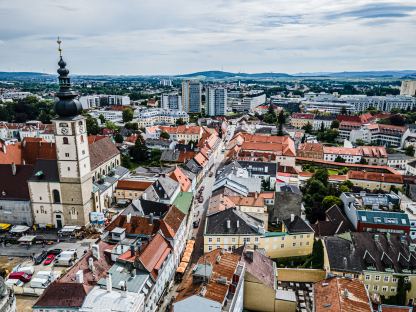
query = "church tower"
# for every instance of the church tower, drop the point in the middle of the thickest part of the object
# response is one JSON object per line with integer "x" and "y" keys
{"x": 72, "y": 152}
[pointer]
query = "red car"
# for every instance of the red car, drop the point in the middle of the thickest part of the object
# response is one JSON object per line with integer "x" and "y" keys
{"x": 22, "y": 276}
{"x": 49, "y": 259}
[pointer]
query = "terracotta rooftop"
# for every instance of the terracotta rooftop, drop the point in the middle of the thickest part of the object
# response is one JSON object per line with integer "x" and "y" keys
{"x": 133, "y": 185}
{"x": 155, "y": 254}
{"x": 376, "y": 176}
{"x": 302, "y": 116}
{"x": 101, "y": 149}
{"x": 184, "y": 129}
{"x": 11, "y": 153}
{"x": 37, "y": 149}
{"x": 277, "y": 148}
{"x": 311, "y": 147}
{"x": 373, "y": 151}
{"x": 338, "y": 150}
{"x": 101, "y": 266}
{"x": 252, "y": 201}
{"x": 341, "y": 294}
{"x": 63, "y": 295}
{"x": 213, "y": 289}
{"x": 180, "y": 177}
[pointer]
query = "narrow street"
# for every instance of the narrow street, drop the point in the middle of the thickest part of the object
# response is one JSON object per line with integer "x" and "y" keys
{"x": 199, "y": 212}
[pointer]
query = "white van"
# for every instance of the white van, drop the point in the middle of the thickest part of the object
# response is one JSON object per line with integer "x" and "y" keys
{"x": 13, "y": 282}
{"x": 39, "y": 282}
{"x": 66, "y": 258}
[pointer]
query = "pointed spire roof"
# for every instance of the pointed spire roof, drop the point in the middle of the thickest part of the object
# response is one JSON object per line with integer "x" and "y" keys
{"x": 67, "y": 104}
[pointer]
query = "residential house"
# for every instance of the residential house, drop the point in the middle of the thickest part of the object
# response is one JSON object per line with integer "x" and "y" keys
{"x": 130, "y": 189}
{"x": 311, "y": 150}
{"x": 375, "y": 180}
{"x": 164, "y": 190}
{"x": 398, "y": 161}
{"x": 264, "y": 170}
{"x": 335, "y": 223}
{"x": 215, "y": 284}
{"x": 377, "y": 259}
{"x": 375, "y": 212}
{"x": 348, "y": 155}
{"x": 295, "y": 239}
{"x": 300, "y": 120}
{"x": 338, "y": 294}
{"x": 260, "y": 281}
{"x": 230, "y": 229}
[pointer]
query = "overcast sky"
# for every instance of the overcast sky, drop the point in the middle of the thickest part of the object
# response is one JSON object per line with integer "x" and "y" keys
{"x": 182, "y": 36}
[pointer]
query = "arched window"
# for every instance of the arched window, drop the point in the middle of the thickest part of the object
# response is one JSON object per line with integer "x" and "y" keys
{"x": 56, "y": 196}
{"x": 65, "y": 140}
{"x": 80, "y": 123}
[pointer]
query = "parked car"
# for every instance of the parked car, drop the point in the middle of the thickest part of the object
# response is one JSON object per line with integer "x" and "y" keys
{"x": 39, "y": 283}
{"x": 10, "y": 282}
{"x": 55, "y": 251}
{"x": 49, "y": 259}
{"x": 21, "y": 276}
{"x": 40, "y": 257}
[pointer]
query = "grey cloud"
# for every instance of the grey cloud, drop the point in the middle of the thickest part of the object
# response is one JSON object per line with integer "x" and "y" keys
{"x": 380, "y": 10}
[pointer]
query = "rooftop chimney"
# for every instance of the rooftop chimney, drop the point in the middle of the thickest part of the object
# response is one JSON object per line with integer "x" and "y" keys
{"x": 132, "y": 250}
{"x": 109, "y": 283}
{"x": 228, "y": 224}
{"x": 91, "y": 264}
{"x": 95, "y": 251}
{"x": 144, "y": 196}
{"x": 151, "y": 218}
{"x": 238, "y": 224}
{"x": 292, "y": 217}
{"x": 14, "y": 169}
{"x": 128, "y": 217}
{"x": 79, "y": 276}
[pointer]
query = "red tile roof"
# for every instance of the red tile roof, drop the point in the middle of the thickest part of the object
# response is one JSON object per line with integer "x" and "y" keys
{"x": 184, "y": 129}
{"x": 376, "y": 176}
{"x": 341, "y": 294}
{"x": 102, "y": 149}
{"x": 63, "y": 295}
{"x": 180, "y": 177}
{"x": 11, "y": 153}
{"x": 33, "y": 150}
{"x": 154, "y": 254}
{"x": 311, "y": 147}
{"x": 302, "y": 116}
{"x": 132, "y": 185}
{"x": 214, "y": 290}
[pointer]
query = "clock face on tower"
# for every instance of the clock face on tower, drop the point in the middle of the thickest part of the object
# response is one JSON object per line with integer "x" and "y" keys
{"x": 64, "y": 131}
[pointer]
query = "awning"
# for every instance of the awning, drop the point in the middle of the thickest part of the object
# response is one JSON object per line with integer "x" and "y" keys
{"x": 19, "y": 229}
{"x": 5, "y": 226}
{"x": 26, "y": 239}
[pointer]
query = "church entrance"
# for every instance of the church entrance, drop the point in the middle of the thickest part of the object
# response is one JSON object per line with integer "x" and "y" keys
{"x": 58, "y": 221}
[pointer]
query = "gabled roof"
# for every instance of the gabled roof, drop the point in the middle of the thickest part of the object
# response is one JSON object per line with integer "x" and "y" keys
{"x": 37, "y": 149}
{"x": 335, "y": 223}
{"x": 298, "y": 225}
{"x": 239, "y": 223}
{"x": 154, "y": 254}
{"x": 341, "y": 294}
{"x": 45, "y": 171}
{"x": 101, "y": 150}
{"x": 63, "y": 295}
{"x": 133, "y": 185}
{"x": 179, "y": 176}
{"x": 10, "y": 153}
{"x": 15, "y": 187}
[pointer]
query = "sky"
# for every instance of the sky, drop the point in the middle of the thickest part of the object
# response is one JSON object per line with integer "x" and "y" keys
{"x": 145, "y": 37}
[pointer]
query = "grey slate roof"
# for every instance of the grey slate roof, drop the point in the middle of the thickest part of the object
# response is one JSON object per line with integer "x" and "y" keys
{"x": 336, "y": 223}
{"x": 358, "y": 251}
{"x": 141, "y": 207}
{"x": 258, "y": 167}
{"x": 298, "y": 225}
{"x": 170, "y": 155}
{"x": 49, "y": 169}
{"x": 247, "y": 225}
{"x": 192, "y": 166}
{"x": 118, "y": 173}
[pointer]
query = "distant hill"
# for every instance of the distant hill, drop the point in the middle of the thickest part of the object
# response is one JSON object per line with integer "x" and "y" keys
{"x": 24, "y": 76}
{"x": 216, "y": 74}
{"x": 397, "y": 74}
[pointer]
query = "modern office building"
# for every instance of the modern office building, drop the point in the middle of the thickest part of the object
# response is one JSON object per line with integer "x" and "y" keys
{"x": 191, "y": 96}
{"x": 172, "y": 101}
{"x": 216, "y": 101}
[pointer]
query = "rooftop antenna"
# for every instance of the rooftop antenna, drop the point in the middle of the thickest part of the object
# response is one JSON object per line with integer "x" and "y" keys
{"x": 59, "y": 41}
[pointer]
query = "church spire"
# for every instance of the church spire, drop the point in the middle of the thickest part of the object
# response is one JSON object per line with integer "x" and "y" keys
{"x": 67, "y": 105}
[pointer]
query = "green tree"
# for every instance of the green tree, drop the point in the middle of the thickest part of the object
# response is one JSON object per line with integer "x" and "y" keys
{"x": 164, "y": 135}
{"x": 344, "y": 111}
{"x": 139, "y": 151}
{"x": 45, "y": 117}
{"x": 410, "y": 150}
{"x": 127, "y": 115}
{"x": 359, "y": 142}
{"x": 330, "y": 200}
{"x": 111, "y": 125}
{"x": 132, "y": 126}
{"x": 339, "y": 159}
{"x": 321, "y": 175}
{"x": 308, "y": 128}
{"x": 92, "y": 126}
{"x": 118, "y": 138}
{"x": 180, "y": 122}
{"x": 102, "y": 119}
{"x": 335, "y": 124}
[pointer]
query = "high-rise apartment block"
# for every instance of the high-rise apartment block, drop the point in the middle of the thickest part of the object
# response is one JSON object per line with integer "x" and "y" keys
{"x": 216, "y": 101}
{"x": 191, "y": 96}
{"x": 171, "y": 101}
